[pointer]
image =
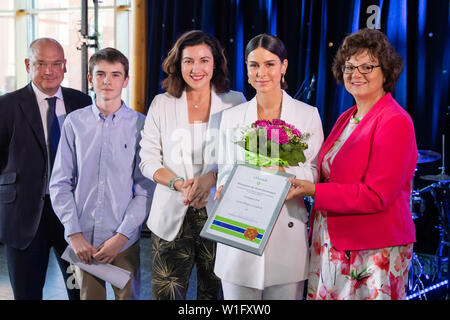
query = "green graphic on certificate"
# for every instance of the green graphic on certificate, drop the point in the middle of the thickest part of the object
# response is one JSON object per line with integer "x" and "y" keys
{"x": 237, "y": 229}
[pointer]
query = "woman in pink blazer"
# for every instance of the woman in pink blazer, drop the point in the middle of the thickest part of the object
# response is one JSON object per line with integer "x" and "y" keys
{"x": 361, "y": 226}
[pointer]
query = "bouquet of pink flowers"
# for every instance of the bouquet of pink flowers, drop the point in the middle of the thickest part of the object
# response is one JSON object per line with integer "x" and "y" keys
{"x": 273, "y": 143}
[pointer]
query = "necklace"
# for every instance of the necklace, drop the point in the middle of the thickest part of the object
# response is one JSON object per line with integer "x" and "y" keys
{"x": 355, "y": 120}
{"x": 199, "y": 102}
{"x": 261, "y": 118}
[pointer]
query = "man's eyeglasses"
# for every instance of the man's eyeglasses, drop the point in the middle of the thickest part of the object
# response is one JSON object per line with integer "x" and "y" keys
{"x": 363, "y": 68}
{"x": 54, "y": 65}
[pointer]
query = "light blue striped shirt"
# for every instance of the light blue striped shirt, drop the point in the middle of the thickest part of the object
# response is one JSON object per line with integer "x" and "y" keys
{"x": 96, "y": 185}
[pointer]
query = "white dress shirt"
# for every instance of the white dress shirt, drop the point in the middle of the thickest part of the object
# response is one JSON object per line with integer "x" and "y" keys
{"x": 43, "y": 107}
{"x": 60, "y": 110}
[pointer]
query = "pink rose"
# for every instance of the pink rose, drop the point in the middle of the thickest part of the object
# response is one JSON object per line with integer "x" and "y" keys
{"x": 261, "y": 123}
{"x": 278, "y": 122}
{"x": 277, "y": 135}
{"x": 296, "y": 132}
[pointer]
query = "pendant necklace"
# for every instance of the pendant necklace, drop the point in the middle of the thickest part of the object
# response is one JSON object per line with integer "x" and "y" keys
{"x": 355, "y": 120}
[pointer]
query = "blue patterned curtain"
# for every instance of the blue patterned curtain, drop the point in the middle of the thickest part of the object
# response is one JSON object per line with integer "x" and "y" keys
{"x": 312, "y": 31}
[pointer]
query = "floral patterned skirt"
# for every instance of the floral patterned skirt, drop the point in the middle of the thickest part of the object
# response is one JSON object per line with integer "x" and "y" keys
{"x": 378, "y": 274}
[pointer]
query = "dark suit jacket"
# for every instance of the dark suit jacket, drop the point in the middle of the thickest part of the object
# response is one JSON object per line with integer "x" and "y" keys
{"x": 23, "y": 162}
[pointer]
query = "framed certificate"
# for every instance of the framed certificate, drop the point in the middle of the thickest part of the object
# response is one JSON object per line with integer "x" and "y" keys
{"x": 248, "y": 208}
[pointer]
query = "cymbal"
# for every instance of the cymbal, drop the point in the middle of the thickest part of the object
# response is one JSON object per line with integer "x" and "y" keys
{"x": 428, "y": 156}
{"x": 436, "y": 177}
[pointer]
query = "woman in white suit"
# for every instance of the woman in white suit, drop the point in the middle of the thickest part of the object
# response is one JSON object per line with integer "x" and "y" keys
{"x": 178, "y": 152}
{"x": 282, "y": 269}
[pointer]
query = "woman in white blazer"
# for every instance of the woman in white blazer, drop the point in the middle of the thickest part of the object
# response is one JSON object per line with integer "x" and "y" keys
{"x": 178, "y": 152}
{"x": 282, "y": 269}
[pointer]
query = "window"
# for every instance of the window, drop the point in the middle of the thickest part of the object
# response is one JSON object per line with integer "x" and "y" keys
{"x": 7, "y": 5}
{"x": 60, "y": 20}
{"x": 7, "y": 71}
{"x": 64, "y": 26}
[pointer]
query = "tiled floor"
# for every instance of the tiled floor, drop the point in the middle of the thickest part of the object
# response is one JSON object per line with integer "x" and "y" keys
{"x": 55, "y": 288}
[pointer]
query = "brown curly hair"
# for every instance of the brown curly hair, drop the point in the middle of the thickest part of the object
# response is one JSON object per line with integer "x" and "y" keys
{"x": 174, "y": 84}
{"x": 378, "y": 46}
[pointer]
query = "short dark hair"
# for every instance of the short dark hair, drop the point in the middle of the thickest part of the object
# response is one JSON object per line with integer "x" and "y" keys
{"x": 270, "y": 43}
{"x": 174, "y": 83}
{"x": 111, "y": 55}
{"x": 377, "y": 45}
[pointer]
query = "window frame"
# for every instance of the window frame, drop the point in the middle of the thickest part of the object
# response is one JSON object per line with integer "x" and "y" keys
{"x": 25, "y": 15}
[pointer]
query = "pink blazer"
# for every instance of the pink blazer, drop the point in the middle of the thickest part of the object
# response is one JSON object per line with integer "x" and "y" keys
{"x": 368, "y": 194}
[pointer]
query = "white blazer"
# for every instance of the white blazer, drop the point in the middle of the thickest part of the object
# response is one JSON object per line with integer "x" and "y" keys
{"x": 166, "y": 143}
{"x": 285, "y": 258}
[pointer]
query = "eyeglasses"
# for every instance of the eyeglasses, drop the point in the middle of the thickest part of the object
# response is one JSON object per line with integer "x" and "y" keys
{"x": 43, "y": 66}
{"x": 363, "y": 68}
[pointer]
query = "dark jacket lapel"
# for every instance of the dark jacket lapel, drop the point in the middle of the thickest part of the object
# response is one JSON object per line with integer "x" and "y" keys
{"x": 30, "y": 109}
{"x": 74, "y": 99}
{"x": 68, "y": 100}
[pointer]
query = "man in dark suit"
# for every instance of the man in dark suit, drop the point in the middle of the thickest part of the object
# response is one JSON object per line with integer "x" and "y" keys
{"x": 30, "y": 120}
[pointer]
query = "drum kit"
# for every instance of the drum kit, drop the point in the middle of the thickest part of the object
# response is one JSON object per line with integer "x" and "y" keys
{"x": 439, "y": 191}
{"x": 440, "y": 181}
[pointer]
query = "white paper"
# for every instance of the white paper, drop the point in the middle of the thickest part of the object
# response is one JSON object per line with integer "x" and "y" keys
{"x": 252, "y": 194}
{"x": 118, "y": 277}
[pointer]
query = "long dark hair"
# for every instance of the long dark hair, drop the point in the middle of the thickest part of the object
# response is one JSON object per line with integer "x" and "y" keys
{"x": 270, "y": 43}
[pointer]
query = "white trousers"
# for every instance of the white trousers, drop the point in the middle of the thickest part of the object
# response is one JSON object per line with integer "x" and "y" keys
{"x": 289, "y": 291}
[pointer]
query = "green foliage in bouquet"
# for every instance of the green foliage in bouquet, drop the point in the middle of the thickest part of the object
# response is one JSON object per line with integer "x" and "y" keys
{"x": 273, "y": 143}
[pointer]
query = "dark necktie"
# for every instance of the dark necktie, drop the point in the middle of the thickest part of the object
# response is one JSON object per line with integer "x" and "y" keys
{"x": 53, "y": 129}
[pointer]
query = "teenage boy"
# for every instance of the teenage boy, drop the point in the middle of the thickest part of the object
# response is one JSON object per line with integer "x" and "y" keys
{"x": 97, "y": 189}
